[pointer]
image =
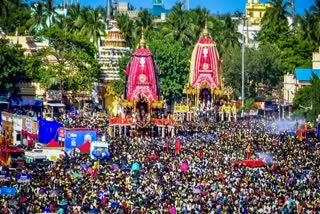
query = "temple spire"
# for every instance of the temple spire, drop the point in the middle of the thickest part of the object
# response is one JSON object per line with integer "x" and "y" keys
{"x": 205, "y": 31}
{"x": 142, "y": 41}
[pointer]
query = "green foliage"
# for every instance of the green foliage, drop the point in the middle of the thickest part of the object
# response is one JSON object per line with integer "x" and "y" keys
{"x": 14, "y": 16}
{"x": 249, "y": 104}
{"x": 118, "y": 85}
{"x": 76, "y": 68}
{"x": 12, "y": 66}
{"x": 262, "y": 70}
{"x": 307, "y": 97}
{"x": 173, "y": 66}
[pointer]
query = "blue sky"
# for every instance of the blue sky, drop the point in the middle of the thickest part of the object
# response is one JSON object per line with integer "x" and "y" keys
{"x": 215, "y": 6}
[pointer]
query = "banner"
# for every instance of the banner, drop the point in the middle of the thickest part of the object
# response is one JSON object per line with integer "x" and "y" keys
{"x": 4, "y": 177}
{"x": 8, "y": 191}
{"x": 318, "y": 130}
{"x": 23, "y": 178}
{"x": 77, "y": 138}
{"x": 181, "y": 108}
{"x": 99, "y": 150}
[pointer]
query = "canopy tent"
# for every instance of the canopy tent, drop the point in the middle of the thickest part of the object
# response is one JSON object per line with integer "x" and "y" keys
{"x": 48, "y": 130}
{"x": 26, "y": 102}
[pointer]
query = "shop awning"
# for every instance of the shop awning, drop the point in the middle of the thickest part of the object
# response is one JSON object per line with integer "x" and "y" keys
{"x": 26, "y": 102}
{"x": 56, "y": 105}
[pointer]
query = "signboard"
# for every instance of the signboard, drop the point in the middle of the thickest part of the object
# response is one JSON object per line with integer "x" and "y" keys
{"x": 4, "y": 177}
{"x": 29, "y": 122}
{"x": 53, "y": 95}
{"x": 8, "y": 191}
{"x": 17, "y": 123}
{"x": 8, "y": 117}
{"x": 181, "y": 108}
{"x": 77, "y": 138}
{"x": 23, "y": 178}
{"x": 99, "y": 149}
{"x": 61, "y": 134}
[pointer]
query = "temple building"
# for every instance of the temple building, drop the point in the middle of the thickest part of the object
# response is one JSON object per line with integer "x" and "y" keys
{"x": 205, "y": 74}
{"x": 112, "y": 49}
{"x": 142, "y": 86}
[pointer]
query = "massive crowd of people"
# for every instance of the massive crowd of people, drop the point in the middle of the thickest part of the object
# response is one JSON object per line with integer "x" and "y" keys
{"x": 288, "y": 182}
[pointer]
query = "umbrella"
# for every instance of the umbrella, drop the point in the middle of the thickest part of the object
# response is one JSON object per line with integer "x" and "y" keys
{"x": 54, "y": 193}
{"x": 13, "y": 202}
{"x": 63, "y": 203}
{"x": 114, "y": 166}
{"x": 196, "y": 191}
{"x": 84, "y": 166}
{"x": 135, "y": 166}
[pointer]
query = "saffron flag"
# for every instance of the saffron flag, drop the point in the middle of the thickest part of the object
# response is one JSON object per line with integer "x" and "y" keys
{"x": 178, "y": 146}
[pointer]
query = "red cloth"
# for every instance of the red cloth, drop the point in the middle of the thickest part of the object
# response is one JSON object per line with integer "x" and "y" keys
{"x": 178, "y": 146}
{"x": 53, "y": 143}
{"x": 250, "y": 163}
{"x": 85, "y": 148}
{"x": 201, "y": 154}
{"x": 167, "y": 146}
{"x": 154, "y": 156}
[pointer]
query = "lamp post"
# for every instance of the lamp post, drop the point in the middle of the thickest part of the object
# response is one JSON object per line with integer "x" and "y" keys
{"x": 242, "y": 61}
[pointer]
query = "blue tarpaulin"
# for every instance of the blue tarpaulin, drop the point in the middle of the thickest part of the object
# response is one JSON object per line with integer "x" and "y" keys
{"x": 48, "y": 130}
{"x": 8, "y": 191}
{"x": 25, "y": 102}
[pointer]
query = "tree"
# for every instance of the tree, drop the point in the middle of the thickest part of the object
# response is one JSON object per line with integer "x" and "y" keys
{"x": 307, "y": 97}
{"x": 228, "y": 36}
{"x": 68, "y": 64}
{"x": 11, "y": 66}
{"x": 92, "y": 25}
{"x": 262, "y": 71}
{"x": 38, "y": 18}
{"x": 275, "y": 22}
{"x": 127, "y": 26}
{"x": 172, "y": 61}
{"x": 179, "y": 27}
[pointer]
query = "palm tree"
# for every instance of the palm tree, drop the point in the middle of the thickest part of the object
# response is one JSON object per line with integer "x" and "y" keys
{"x": 228, "y": 37}
{"x": 51, "y": 12}
{"x": 92, "y": 24}
{"x": 38, "y": 18}
{"x": 275, "y": 21}
{"x": 69, "y": 22}
{"x": 127, "y": 26}
{"x": 179, "y": 26}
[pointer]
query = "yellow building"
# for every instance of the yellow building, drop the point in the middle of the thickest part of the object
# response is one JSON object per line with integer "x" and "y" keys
{"x": 255, "y": 11}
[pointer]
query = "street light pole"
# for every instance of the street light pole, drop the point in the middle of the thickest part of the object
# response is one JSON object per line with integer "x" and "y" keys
{"x": 243, "y": 44}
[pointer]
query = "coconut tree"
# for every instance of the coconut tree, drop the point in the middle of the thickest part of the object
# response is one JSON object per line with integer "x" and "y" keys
{"x": 38, "y": 17}
{"x": 127, "y": 26}
{"x": 275, "y": 22}
{"x": 92, "y": 24}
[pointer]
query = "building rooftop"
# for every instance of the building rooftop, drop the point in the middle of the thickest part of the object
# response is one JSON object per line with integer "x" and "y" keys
{"x": 305, "y": 74}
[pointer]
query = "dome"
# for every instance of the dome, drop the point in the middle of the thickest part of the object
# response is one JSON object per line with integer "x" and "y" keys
{"x": 115, "y": 38}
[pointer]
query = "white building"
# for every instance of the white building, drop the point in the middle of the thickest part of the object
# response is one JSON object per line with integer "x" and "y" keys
{"x": 112, "y": 49}
{"x": 300, "y": 78}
